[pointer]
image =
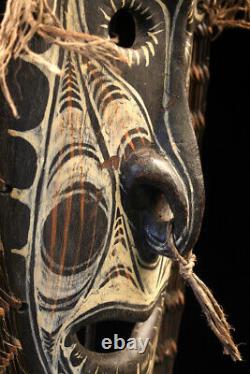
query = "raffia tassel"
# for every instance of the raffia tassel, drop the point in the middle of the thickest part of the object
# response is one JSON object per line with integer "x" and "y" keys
{"x": 213, "y": 311}
{"x": 25, "y": 18}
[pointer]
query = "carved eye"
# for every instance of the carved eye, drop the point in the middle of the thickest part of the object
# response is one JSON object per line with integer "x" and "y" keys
{"x": 123, "y": 27}
{"x": 137, "y": 27}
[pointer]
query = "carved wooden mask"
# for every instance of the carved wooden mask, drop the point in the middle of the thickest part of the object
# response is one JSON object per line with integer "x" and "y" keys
{"x": 98, "y": 165}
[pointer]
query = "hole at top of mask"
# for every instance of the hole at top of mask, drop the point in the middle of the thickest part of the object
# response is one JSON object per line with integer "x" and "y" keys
{"x": 123, "y": 27}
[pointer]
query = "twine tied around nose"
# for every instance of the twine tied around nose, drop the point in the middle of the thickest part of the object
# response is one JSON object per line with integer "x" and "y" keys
{"x": 213, "y": 311}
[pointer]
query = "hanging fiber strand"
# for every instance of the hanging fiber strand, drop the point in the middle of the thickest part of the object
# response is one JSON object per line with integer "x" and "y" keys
{"x": 213, "y": 311}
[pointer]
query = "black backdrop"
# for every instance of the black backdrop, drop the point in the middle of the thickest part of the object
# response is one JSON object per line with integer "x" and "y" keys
{"x": 224, "y": 243}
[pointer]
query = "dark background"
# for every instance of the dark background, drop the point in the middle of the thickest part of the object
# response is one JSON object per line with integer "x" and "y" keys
{"x": 224, "y": 243}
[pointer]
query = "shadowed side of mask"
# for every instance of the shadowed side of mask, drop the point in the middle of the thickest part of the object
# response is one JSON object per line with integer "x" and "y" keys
{"x": 102, "y": 161}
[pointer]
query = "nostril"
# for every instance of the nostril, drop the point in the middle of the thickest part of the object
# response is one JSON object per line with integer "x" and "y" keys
{"x": 157, "y": 231}
{"x": 157, "y": 220}
{"x": 151, "y": 203}
{"x": 150, "y": 212}
{"x": 162, "y": 209}
{"x": 154, "y": 200}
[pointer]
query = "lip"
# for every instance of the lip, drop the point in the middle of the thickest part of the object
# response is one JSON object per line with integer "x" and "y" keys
{"x": 88, "y": 360}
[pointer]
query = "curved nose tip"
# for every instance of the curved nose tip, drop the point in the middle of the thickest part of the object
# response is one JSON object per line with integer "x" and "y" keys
{"x": 154, "y": 197}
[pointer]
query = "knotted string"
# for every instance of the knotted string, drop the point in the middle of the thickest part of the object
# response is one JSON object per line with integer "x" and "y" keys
{"x": 213, "y": 311}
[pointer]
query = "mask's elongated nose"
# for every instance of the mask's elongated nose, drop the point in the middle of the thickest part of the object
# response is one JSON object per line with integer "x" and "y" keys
{"x": 155, "y": 197}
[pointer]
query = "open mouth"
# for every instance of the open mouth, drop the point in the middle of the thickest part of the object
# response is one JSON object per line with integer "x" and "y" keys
{"x": 113, "y": 345}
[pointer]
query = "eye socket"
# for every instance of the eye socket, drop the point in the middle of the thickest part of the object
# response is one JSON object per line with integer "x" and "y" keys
{"x": 123, "y": 27}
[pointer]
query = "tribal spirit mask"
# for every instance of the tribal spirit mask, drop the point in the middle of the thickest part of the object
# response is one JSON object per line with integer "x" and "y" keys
{"x": 100, "y": 163}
